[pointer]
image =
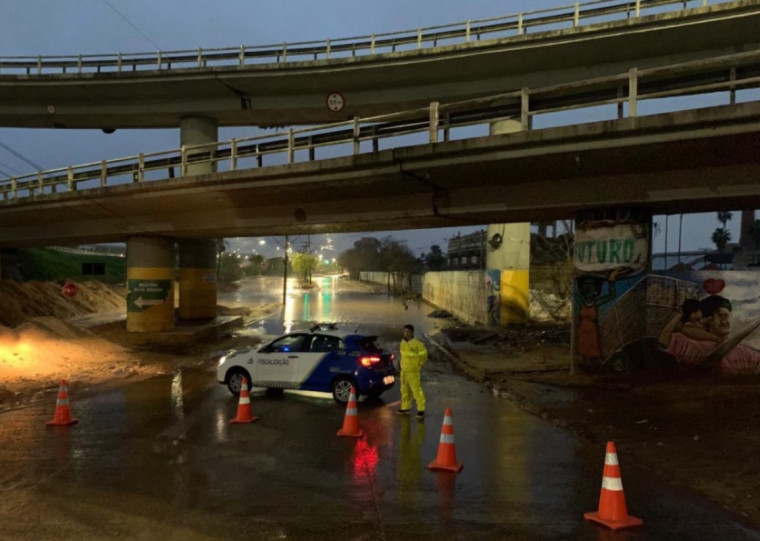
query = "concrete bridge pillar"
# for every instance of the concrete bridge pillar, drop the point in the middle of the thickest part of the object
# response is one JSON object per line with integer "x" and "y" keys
{"x": 611, "y": 295}
{"x": 197, "y": 279}
{"x": 508, "y": 272}
{"x": 508, "y": 260}
{"x": 150, "y": 284}
{"x": 199, "y": 131}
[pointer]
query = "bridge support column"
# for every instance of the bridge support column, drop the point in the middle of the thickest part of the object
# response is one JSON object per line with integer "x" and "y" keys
{"x": 150, "y": 284}
{"x": 197, "y": 279}
{"x": 508, "y": 273}
{"x": 508, "y": 260}
{"x": 611, "y": 257}
{"x": 199, "y": 131}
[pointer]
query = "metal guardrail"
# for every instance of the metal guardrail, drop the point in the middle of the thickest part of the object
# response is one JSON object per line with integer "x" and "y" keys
{"x": 625, "y": 91}
{"x": 98, "y": 250}
{"x": 516, "y": 24}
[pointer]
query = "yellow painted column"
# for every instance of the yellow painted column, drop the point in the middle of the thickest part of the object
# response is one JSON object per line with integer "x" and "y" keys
{"x": 197, "y": 279}
{"x": 508, "y": 251}
{"x": 508, "y": 264}
{"x": 150, "y": 284}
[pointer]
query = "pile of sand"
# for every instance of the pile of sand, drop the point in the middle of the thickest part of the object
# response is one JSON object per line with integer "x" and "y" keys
{"x": 20, "y": 301}
{"x": 47, "y": 348}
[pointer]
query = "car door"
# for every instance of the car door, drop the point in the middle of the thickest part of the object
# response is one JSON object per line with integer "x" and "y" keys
{"x": 316, "y": 368}
{"x": 276, "y": 362}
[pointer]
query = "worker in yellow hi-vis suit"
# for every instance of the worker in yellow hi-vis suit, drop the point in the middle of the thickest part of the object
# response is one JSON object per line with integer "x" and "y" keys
{"x": 413, "y": 356}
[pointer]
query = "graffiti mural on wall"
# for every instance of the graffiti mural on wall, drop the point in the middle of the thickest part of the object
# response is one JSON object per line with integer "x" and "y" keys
{"x": 714, "y": 329}
{"x": 493, "y": 296}
{"x": 611, "y": 253}
{"x": 693, "y": 320}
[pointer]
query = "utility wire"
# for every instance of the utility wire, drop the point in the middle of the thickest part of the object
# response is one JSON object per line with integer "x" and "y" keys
{"x": 130, "y": 23}
{"x": 10, "y": 167}
{"x": 21, "y": 157}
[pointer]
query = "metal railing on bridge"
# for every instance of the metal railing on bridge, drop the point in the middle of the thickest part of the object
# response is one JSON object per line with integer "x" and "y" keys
{"x": 727, "y": 74}
{"x": 516, "y": 24}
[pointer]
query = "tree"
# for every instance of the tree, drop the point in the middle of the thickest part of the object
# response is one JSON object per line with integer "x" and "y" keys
{"x": 398, "y": 261}
{"x": 230, "y": 268}
{"x": 364, "y": 256}
{"x": 303, "y": 264}
{"x": 435, "y": 260}
{"x": 221, "y": 246}
{"x": 721, "y": 237}
{"x": 256, "y": 265}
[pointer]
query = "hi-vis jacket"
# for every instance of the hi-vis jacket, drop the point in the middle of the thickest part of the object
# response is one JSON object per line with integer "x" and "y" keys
{"x": 413, "y": 355}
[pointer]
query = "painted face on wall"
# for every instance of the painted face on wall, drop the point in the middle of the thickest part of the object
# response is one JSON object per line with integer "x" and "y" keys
{"x": 720, "y": 322}
{"x": 696, "y": 318}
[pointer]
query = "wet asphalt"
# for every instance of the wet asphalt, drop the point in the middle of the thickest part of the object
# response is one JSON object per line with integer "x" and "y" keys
{"x": 159, "y": 459}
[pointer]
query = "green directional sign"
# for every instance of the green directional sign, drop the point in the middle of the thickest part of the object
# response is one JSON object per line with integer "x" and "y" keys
{"x": 143, "y": 294}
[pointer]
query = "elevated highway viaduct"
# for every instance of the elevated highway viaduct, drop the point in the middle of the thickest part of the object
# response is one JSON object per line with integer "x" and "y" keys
{"x": 683, "y": 161}
{"x": 278, "y": 87}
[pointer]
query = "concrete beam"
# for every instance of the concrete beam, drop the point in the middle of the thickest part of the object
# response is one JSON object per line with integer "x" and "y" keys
{"x": 296, "y": 92}
{"x": 689, "y": 161}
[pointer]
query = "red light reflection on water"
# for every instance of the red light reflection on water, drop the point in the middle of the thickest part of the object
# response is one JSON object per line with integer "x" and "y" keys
{"x": 365, "y": 461}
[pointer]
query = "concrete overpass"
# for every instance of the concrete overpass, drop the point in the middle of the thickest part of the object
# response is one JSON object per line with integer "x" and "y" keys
{"x": 681, "y": 161}
{"x": 270, "y": 85}
{"x": 678, "y": 162}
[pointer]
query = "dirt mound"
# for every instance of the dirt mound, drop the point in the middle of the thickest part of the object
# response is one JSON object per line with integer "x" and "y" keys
{"x": 21, "y": 301}
{"x": 515, "y": 338}
{"x": 51, "y": 327}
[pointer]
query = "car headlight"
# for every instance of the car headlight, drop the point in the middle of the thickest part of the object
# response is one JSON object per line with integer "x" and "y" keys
{"x": 222, "y": 359}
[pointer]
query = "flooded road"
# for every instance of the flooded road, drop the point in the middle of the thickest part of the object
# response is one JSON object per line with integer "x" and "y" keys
{"x": 160, "y": 460}
{"x": 332, "y": 301}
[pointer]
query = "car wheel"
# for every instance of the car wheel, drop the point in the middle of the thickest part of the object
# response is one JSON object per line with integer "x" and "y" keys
{"x": 235, "y": 380}
{"x": 341, "y": 389}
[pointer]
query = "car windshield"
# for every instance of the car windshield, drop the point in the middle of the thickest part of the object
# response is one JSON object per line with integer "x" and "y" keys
{"x": 367, "y": 343}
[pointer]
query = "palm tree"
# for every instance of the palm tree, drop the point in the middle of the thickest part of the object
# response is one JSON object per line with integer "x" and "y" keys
{"x": 724, "y": 217}
{"x": 721, "y": 237}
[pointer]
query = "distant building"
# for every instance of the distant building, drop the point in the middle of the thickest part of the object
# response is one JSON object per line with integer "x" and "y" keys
{"x": 467, "y": 252}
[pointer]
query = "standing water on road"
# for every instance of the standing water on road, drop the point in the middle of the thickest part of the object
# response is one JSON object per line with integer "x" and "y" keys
{"x": 334, "y": 299}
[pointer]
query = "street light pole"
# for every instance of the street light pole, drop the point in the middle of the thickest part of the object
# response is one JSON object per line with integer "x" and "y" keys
{"x": 285, "y": 274}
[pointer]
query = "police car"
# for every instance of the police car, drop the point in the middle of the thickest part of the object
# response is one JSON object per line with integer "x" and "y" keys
{"x": 321, "y": 359}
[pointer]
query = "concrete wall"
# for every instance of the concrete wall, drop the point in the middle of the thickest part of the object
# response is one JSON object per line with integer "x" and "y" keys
{"x": 463, "y": 293}
{"x": 413, "y": 283}
{"x": 480, "y": 297}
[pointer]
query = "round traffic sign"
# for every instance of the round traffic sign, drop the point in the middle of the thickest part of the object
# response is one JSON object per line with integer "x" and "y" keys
{"x": 69, "y": 289}
{"x": 335, "y": 102}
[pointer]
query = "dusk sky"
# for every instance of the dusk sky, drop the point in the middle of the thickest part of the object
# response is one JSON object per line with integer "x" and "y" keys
{"x": 54, "y": 27}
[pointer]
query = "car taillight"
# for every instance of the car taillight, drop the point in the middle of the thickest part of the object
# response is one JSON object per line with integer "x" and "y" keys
{"x": 369, "y": 360}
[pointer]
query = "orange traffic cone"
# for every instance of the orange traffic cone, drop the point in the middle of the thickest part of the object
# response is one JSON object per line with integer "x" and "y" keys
{"x": 244, "y": 414}
{"x": 351, "y": 420}
{"x": 613, "y": 512}
{"x": 447, "y": 452}
{"x": 62, "y": 415}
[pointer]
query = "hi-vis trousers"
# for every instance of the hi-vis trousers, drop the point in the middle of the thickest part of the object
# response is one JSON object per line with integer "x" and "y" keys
{"x": 411, "y": 386}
